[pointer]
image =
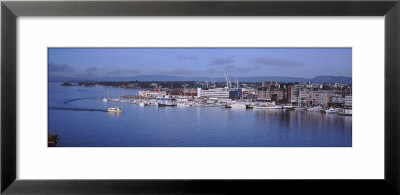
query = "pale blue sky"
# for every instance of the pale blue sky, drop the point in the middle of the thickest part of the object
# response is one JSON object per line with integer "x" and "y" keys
{"x": 95, "y": 63}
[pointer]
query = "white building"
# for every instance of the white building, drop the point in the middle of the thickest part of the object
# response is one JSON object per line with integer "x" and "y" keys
{"x": 219, "y": 93}
{"x": 152, "y": 94}
{"x": 348, "y": 100}
{"x": 320, "y": 98}
{"x": 306, "y": 95}
{"x": 337, "y": 99}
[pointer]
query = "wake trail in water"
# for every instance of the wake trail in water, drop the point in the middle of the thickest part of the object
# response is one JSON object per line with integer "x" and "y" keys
{"x": 72, "y": 100}
{"x": 77, "y": 109}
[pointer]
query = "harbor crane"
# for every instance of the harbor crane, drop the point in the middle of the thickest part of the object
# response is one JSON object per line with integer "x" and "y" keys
{"x": 228, "y": 82}
{"x": 237, "y": 83}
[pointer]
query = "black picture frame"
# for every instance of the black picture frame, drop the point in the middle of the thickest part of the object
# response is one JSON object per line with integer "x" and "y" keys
{"x": 11, "y": 10}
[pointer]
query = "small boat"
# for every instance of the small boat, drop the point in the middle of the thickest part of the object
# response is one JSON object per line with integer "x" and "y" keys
{"x": 315, "y": 109}
{"x": 339, "y": 110}
{"x": 331, "y": 111}
{"x": 300, "y": 108}
{"x": 163, "y": 104}
{"x": 114, "y": 99}
{"x": 114, "y": 109}
{"x": 152, "y": 103}
{"x": 182, "y": 105}
{"x": 142, "y": 104}
{"x": 238, "y": 106}
{"x": 249, "y": 106}
{"x": 105, "y": 99}
{"x": 346, "y": 112}
{"x": 287, "y": 108}
{"x": 268, "y": 106}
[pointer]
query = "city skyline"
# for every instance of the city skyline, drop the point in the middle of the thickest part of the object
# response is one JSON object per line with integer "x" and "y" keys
{"x": 98, "y": 63}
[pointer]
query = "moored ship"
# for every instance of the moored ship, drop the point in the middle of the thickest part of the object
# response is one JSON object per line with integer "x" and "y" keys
{"x": 238, "y": 106}
{"x": 346, "y": 112}
{"x": 290, "y": 107}
{"x": 268, "y": 105}
{"x": 315, "y": 109}
{"x": 331, "y": 110}
{"x": 183, "y": 105}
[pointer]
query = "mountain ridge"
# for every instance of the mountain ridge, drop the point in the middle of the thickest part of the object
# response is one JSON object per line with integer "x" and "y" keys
{"x": 317, "y": 79}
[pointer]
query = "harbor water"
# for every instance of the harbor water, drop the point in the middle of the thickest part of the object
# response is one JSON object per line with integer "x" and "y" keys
{"x": 81, "y": 119}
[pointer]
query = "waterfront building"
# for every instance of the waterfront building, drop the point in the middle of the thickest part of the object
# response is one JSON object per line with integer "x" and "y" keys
{"x": 295, "y": 93}
{"x": 348, "y": 101}
{"x": 182, "y": 93}
{"x": 337, "y": 100}
{"x": 152, "y": 94}
{"x": 286, "y": 89}
{"x": 249, "y": 93}
{"x": 275, "y": 95}
{"x": 320, "y": 98}
{"x": 235, "y": 93}
{"x": 289, "y": 93}
{"x": 220, "y": 93}
{"x": 305, "y": 96}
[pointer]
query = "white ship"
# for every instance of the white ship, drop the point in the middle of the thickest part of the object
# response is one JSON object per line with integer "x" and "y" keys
{"x": 346, "y": 112}
{"x": 105, "y": 99}
{"x": 315, "y": 109}
{"x": 268, "y": 105}
{"x": 331, "y": 111}
{"x": 142, "y": 104}
{"x": 300, "y": 108}
{"x": 114, "y": 109}
{"x": 238, "y": 106}
{"x": 289, "y": 107}
{"x": 165, "y": 103}
{"x": 183, "y": 105}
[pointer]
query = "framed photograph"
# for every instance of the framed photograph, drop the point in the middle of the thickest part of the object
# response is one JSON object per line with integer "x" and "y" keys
{"x": 176, "y": 89}
{"x": 199, "y": 97}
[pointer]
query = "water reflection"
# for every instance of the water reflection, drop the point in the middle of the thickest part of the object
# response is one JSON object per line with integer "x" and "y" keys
{"x": 114, "y": 114}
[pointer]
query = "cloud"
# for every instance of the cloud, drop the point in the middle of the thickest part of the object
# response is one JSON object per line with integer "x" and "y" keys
{"x": 91, "y": 70}
{"x": 268, "y": 61}
{"x": 222, "y": 61}
{"x": 186, "y": 57}
{"x": 60, "y": 68}
{"x": 211, "y": 70}
{"x": 123, "y": 72}
{"x": 179, "y": 72}
{"x": 233, "y": 68}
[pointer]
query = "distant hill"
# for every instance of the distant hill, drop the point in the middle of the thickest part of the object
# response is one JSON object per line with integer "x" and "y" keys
{"x": 318, "y": 79}
{"x": 331, "y": 79}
